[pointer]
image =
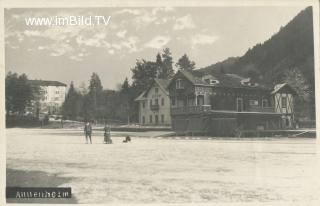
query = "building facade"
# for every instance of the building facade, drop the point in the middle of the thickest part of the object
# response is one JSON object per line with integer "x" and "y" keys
{"x": 221, "y": 104}
{"x": 50, "y": 96}
{"x": 154, "y": 104}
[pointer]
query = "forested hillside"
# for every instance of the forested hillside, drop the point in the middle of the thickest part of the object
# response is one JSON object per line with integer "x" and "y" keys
{"x": 288, "y": 56}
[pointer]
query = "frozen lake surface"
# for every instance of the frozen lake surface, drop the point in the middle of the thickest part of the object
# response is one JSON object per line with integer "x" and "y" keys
{"x": 165, "y": 170}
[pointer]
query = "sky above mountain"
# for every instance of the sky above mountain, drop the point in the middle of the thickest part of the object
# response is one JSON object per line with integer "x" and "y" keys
{"x": 73, "y": 52}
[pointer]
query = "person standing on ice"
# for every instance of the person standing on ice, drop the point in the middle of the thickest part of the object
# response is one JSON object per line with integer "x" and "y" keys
{"x": 107, "y": 135}
{"x": 88, "y": 132}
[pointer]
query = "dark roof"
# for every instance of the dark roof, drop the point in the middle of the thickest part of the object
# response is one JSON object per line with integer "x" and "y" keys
{"x": 225, "y": 79}
{"x": 46, "y": 83}
{"x": 193, "y": 76}
{"x": 163, "y": 83}
{"x": 284, "y": 86}
{"x": 141, "y": 96}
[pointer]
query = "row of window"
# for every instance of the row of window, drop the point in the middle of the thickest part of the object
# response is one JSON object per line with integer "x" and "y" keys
{"x": 156, "y": 102}
{"x": 254, "y": 102}
{"x": 265, "y": 102}
{"x": 251, "y": 102}
{"x": 46, "y": 92}
{"x": 156, "y": 119}
{"x": 180, "y": 85}
{"x": 52, "y": 98}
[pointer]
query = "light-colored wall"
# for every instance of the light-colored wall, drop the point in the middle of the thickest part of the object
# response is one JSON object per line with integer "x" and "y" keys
{"x": 53, "y": 94}
{"x": 163, "y": 109}
{"x": 288, "y": 112}
{"x": 52, "y": 98}
{"x": 290, "y": 107}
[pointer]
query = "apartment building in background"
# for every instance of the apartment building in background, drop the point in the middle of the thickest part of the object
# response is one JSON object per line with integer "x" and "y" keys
{"x": 50, "y": 97}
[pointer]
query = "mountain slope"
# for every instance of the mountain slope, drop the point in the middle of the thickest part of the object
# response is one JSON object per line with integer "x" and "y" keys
{"x": 288, "y": 56}
{"x": 291, "y": 47}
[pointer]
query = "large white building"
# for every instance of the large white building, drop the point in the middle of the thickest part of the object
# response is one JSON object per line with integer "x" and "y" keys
{"x": 154, "y": 104}
{"x": 51, "y": 96}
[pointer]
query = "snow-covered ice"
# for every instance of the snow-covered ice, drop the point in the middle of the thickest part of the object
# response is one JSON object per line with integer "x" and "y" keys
{"x": 169, "y": 170}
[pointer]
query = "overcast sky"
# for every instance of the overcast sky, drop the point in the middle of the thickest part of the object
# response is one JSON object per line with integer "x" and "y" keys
{"x": 72, "y": 53}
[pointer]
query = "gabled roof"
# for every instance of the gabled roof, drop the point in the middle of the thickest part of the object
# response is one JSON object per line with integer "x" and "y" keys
{"x": 193, "y": 76}
{"x": 141, "y": 96}
{"x": 46, "y": 83}
{"x": 279, "y": 87}
{"x": 163, "y": 85}
{"x": 225, "y": 79}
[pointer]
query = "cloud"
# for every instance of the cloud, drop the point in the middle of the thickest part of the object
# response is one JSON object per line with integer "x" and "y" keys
{"x": 185, "y": 22}
{"x": 59, "y": 49}
{"x": 129, "y": 11}
{"x": 79, "y": 57}
{"x": 100, "y": 36}
{"x": 121, "y": 34}
{"x": 138, "y": 17}
{"x": 20, "y": 37}
{"x": 15, "y": 16}
{"x": 203, "y": 39}
{"x": 127, "y": 45}
{"x": 61, "y": 33}
{"x": 67, "y": 40}
{"x": 144, "y": 19}
{"x": 137, "y": 12}
{"x": 75, "y": 58}
{"x": 55, "y": 40}
{"x": 162, "y": 9}
{"x": 41, "y": 47}
{"x": 116, "y": 46}
{"x": 111, "y": 51}
{"x": 32, "y": 33}
{"x": 131, "y": 44}
{"x": 14, "y": 47}
{"x": 158, "y": 42}
{"x": 162, "y": 20}
{"x": 97, "y": 40}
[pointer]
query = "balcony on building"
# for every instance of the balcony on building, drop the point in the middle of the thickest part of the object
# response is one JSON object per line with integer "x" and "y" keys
{"x": 190, "y": 109}
{"x": 252, "y": 108}
{"x": 206, "y": 108}
{"x": 154, "y": 107}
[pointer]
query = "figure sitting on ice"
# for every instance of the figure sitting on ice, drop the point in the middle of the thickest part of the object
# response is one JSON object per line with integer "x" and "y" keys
{"x": 128, "y": 139}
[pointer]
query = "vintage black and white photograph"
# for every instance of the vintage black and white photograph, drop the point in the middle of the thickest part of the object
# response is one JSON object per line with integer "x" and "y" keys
{"x": 161, "y": 104}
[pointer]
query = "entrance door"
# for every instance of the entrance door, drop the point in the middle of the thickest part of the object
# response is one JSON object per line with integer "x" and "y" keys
{"x": 239, "y": 104}
{"x": 200, "y": 100}
{"x": 156, "y": 119}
